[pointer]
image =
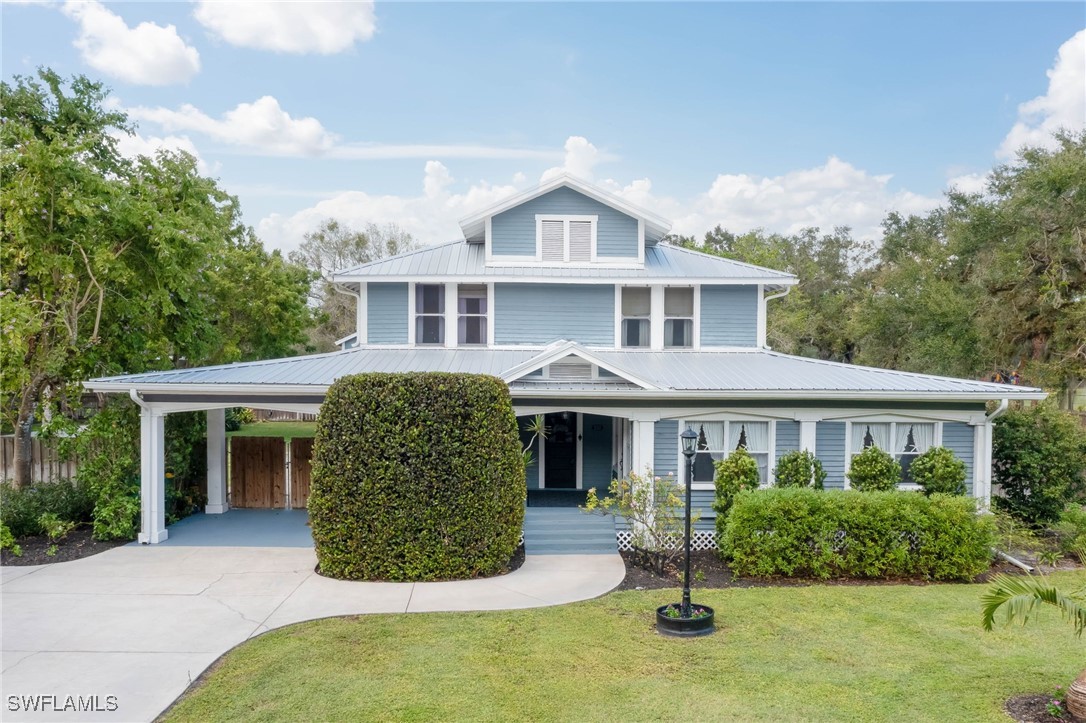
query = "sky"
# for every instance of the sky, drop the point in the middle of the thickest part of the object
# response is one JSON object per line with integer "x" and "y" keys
{"x": 772, "y": 115}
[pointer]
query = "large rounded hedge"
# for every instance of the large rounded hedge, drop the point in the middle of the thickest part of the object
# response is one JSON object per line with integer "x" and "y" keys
{"x": 416, "y": 477}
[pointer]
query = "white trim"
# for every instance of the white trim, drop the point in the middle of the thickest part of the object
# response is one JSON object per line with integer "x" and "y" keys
{"x": 362, "y": 313}
{"x": 562, "y": 350}
{"x": 848, "y": 456}
{"x": 893, "y": 420}
{"x": 641, "y": 242}
{"x": 411, "y": 314}
{"x": 565, "y": 218}
{"x": 618, "y": 316}
{"x": 452, "y": 307}
{"x": 490, "y": 314}
{"x": 808, "y": 435}
{"x": 488, "y": 236}
{"x": 530, "y": 262}
{"x": 728, "y": 420}
{"x": 761, "y": 341}
{"x": 287, "y": 473}
{"x": 579, "y": 417}
{"x": 656, "y": 317}
{"x": 696, "y": 341}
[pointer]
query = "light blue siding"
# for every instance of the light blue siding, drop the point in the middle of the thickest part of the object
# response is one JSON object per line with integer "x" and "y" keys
{"x": 542, "y": 313}
{"x": 513, "y": 232}
{"x": 729, "y": 315}
{"x": 958, "y": 438}
{"x": 665, "y": 458}
{"x": 787, "y": 437}
{"x": 386, "y": 313}
{"x": 596, "y": 462}
{"x": 830, "y": 448}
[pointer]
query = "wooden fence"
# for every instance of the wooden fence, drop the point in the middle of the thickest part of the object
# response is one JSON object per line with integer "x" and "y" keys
{"x": 45, "y": 461}
{"x": 260, "y": 476}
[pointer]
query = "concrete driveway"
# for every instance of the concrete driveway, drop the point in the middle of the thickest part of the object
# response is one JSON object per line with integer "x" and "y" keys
{"x": 141, "y": 622}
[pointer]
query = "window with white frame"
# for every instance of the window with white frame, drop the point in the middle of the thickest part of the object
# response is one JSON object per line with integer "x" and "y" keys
{"x": 429, "y": 314}
{"x": 904, "y": 440}
{"x": 565, "y": 239}
{"x": 471, "y": 311}
{"x": 678, "y": 317}
{"x": 636, "y": 308}
{"x": 716, "y": 440}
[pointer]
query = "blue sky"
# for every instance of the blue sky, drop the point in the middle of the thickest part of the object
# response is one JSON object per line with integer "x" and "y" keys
{"x": 776, "y": 115}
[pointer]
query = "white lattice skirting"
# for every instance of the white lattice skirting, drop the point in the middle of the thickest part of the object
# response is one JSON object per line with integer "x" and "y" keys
{"x": 701, "y": 540}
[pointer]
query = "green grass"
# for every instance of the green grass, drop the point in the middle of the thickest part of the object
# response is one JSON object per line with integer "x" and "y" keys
{"x": 288, "y": 430}
{"x": 824, "y": 653}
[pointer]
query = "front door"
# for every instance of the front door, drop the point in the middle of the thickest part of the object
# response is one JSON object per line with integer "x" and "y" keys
{"x": 560, "y": 452}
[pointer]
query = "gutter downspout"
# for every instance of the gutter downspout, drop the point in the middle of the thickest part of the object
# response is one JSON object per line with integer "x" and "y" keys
{"x": 1000, "y": 410}
{"x": 778, "y": 295}
{"x": 1004, "y": 404}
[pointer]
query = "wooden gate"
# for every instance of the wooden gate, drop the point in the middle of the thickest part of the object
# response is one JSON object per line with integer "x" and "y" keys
{"x": 301, "y": 455}
{"x": 258, "y": 468}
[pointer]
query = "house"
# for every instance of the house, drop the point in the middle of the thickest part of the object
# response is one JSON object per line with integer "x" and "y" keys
{"x": 621, "y": 340}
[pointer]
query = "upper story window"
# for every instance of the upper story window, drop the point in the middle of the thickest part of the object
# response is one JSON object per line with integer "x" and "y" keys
{"x": 471, "y": 309}
{"x": 636, "y": 313}
{"x": 566, "y": 239}
{"x": 904, "y": 440}
{"x": 678, "y": 317}
{"x": 430, "y": 314}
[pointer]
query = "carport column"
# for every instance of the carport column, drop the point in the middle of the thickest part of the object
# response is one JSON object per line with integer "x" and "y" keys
{"x": 216, "y": 462}
{"x": 152, "y": 477}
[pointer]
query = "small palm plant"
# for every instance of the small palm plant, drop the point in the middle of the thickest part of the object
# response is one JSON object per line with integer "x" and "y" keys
{"x": 1019, "y": 597}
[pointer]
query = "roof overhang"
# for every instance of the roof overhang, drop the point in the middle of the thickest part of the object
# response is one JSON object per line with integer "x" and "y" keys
{"x": 562, "y": 349}
{"x": 474, "y": 225}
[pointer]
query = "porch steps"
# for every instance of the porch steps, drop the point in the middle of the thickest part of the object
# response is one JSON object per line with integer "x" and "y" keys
{"x": 567, "y": 531}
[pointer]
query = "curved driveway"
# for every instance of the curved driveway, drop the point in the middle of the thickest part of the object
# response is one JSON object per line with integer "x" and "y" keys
{"x": 141, "y": 622}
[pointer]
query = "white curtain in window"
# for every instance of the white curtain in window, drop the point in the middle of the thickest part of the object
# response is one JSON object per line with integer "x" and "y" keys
{"x": 923, "y": 437}
{"x": 714, "y": 434}
{"x": 757, "y": 435}
{"x": 879, "y": 433}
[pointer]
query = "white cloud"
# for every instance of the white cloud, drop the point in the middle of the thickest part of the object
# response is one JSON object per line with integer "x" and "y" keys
{"x": 1062, "y": 106}
{"x": 131, "y": 146}
{"x": 430, "y": 217}
{"x": 289, "y": 27}
{"x": 261, "y": 125}
{"x": 147, "y": 54}
{"x": 580, "y": 160}
{"x": 969, "y": 182}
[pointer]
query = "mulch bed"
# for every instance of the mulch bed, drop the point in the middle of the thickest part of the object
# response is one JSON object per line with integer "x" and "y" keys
{"x": 1033, "y": 708}
{"x": 78, "y": 544}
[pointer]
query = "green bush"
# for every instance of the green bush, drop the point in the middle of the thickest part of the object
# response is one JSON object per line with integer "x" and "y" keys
{"x": 117, "y": 511}
{"x": 416, "y": 477}
{"x": 800, "y": 468}
{"x": 237, "y": 416}
{"x": 7, "y": 541}
{"x": 55, "y": 528}
{"x": 21, "y": 509}
{"x": 873, "y": 470}
{"x": 1070, "y": 531}
{"x": 1039, "y": 461}
{"x": 805, "y": 533}
{"x": 735, "y": 473}
{"x": 938, "y": 471}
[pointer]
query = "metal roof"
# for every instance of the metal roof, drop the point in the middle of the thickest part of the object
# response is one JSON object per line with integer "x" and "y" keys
{"x": 461, "y": 259}
{"x": 755, "y": 373}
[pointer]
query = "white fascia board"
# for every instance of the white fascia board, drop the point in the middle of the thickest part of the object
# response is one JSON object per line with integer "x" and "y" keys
{"x": 350, "y": 336}
{"x": 206, "y": 388}
{"x": 529, "y": 263}
{"x": 828, "y": 394}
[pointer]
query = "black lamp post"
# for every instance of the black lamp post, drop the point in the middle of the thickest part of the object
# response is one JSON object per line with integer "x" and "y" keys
{"x": 690, "y": 440}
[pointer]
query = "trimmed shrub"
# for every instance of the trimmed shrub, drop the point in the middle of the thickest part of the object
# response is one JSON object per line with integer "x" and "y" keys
{"x": 22, "y": 509}
{"x": 1070, "y": 531}
{"x": 1039, "y": 461}
{"x": 416, "y": 477}
{"x": 805, "y": 533}
{"x": 873, "y": 470}
{"x": 938, "y": 471}
{"x": 800, "y": 468}
{"x": 735, "y": 473}
{"x": 7, "y": 541}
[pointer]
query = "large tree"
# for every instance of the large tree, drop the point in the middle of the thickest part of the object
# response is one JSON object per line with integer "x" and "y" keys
{"x": 335, "y": 246}
{"x": 111, "y": 265}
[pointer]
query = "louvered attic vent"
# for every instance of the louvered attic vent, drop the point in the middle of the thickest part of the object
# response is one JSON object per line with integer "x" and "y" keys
{"x": 564, "y": 370}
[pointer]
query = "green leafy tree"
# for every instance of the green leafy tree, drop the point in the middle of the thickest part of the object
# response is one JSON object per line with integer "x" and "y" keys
{"x": 1039, "y": 461}
{"x": 335, "y": 246}
{"x": 873, "y": 470}
{"x": 735, "y": 473}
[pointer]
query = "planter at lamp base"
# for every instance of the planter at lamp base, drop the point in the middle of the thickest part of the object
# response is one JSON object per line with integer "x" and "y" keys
{"x": 685, "y": 627}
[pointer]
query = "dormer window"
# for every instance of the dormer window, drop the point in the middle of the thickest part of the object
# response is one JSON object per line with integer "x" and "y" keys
{"x": 565, "y": 239}
{"x": 430, "y": 314}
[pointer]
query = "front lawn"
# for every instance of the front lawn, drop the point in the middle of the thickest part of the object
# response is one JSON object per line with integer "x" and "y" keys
{"x": 827, "y": 652}
{"x": 288, "y": 430}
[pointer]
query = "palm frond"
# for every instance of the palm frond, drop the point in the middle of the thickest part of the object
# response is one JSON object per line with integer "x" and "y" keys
{"x": 1020, "y": 596}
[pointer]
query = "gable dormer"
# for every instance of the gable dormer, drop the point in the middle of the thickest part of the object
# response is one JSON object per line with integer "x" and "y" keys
{"x": 565, "y": 222}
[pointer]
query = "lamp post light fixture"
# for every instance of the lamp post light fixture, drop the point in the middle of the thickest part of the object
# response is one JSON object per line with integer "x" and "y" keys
{"x": 686, "y": 624}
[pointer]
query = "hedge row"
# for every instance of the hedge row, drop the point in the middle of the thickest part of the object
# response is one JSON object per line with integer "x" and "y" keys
{"x": 416, "y": 477}
{"x": 806, "y": 533}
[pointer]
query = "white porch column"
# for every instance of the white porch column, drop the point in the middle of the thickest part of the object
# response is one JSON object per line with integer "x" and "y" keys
{"x": 216, "y": 462}
{"x": 982, "y": 463}
{"x": 807, "y": 435}
{"x": 152, "y": 477}
{"x": 644, "y": 445}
